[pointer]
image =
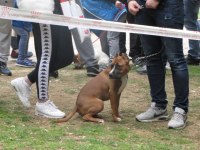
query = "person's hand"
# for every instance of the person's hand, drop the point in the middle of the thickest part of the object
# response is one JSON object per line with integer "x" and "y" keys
{"x": 151, "y": 4}
{"x": 27, "y": 28}
{"x": 134, "y": 7}
{"x": 118, "y": 4}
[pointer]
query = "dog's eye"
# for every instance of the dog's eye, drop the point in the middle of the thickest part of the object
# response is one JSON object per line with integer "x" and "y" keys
{"x": 119, "y": 66}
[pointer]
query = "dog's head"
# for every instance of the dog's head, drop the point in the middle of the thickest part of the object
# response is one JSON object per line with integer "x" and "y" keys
{"x": 77, "y": 62}
{"x": 119, "y": 66}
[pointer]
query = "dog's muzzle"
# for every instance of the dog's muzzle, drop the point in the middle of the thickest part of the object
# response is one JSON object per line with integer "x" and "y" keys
{"x": 114, "y": 76}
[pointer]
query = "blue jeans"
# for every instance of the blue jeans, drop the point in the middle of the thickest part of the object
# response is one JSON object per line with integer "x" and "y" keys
{"x": 171, "y": 15}
{"x": 191, "y": 23}
{"x": 23, "y": 42}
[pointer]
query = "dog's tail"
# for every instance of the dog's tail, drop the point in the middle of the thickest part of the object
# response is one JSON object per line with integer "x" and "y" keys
{"x": 69, "y": 116}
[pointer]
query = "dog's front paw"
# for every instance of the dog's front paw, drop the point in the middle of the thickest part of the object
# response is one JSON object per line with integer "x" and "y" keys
{"x": 119, "y": 119}
{"x": 121, "y": 116}
{"x": 102, "y": 122}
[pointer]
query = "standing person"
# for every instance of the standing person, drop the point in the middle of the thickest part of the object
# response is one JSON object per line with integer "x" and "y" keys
{"x": 54, "y": 50}
{"x": 86, "y": 51}
{"x": 136, "y": 49}
{"x": 23, "y": 29}
{"x": 191, "y": 23}
{"x": 170, "y": 14}
{"x": 111, "y": 10}
{"x": 5, "y": 39}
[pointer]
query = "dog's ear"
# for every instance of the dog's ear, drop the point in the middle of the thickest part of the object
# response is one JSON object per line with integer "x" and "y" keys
{"x": 116, "y": 55}
{"x": 125, "y": 57}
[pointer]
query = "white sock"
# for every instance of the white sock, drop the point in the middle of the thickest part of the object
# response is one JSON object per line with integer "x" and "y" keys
{"x": 42, "y": 103}
{"x": 26, "y": 84}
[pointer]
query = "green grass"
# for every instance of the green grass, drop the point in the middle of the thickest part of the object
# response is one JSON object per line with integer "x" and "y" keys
{"x": 19, "y": 130}
{"x": 199, "y": 15}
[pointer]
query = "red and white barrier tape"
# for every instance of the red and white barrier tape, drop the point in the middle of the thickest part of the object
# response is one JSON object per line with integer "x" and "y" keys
{"x": 33, "y": 16}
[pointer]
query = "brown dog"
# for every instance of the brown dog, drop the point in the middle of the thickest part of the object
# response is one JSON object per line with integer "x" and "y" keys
{"x": 77, "y": 62}
{"x": 107, "y": 85}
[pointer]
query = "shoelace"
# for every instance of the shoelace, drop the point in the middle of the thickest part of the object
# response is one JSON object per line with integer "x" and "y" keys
{"x": 151, "y": 110}
{"x": 178, "y": 117}
{"x": 27, "y": 61}
{"x": 52, "y": 105}
{"x": 30, "y": 61}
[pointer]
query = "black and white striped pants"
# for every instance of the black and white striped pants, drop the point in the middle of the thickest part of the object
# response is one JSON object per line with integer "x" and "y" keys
{"x": 54, "y": 50}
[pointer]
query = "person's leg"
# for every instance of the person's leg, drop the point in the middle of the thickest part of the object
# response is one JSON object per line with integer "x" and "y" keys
{"x": 85, "y": 49}
{"x": 135, "y": 44}
{"x": 122, "y": 35}
{"x": 122, "y": 42}
{"x": 191, "y": 23}
{"x": 23, "y": 42}
{"x": 14, "y": 43}
{"x": 22, "y": 60}
{"x": 155, "y": 70}
{"x": 113, "y": 39}
{"x": 104, "y": 43}
{"x": 174, "y": 51}
{"x": 5, "y": 41}
{"x": 86, "y": 52}
{"x": 53, "y": 53}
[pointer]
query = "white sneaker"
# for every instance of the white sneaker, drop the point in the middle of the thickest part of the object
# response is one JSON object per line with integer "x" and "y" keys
{"x": 22, "y": 91}
{"x": 167, "y": 66}
{"x": 153, "y": 114}
{"x": 179, "y": 119}
{"x": 48, "y": 110}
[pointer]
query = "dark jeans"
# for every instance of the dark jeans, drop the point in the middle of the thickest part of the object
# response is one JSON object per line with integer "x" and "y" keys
{"x": 136, "y": 49}
{"x": 192, "y": 24}
{"x": 170, "y": 14}
{"x": 15, "y": 42}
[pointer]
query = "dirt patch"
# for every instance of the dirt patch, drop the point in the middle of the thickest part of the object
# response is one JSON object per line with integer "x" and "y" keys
{"x": 135, "y": 99}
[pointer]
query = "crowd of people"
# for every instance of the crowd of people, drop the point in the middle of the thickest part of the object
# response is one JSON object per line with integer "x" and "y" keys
{"x": 53, "y": 52}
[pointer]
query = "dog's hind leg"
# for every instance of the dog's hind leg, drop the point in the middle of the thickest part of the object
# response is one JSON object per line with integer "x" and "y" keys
{"x": 94, "y": 110}
{"x": 98, "y": 116}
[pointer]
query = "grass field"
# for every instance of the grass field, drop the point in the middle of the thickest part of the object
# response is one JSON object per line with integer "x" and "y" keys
{"x": 199, "y": 15}
{"x": 21, "y": 129}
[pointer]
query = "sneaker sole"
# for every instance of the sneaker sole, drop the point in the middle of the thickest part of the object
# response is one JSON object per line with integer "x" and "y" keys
{"x": 157, "y": 119}
{"x": 182, "y": 127}
{"x": 19, "y": 95}
{"x": 47, "y": 116}
{"x": 90, "y": 74}
{"x": 142, "y": 73}
{"x": 9, "y": 74}
{"x": 24, "y": 66}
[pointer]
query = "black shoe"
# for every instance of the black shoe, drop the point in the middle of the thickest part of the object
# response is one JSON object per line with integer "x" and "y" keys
{"x": 54, "y": 74}
{"x": 4, "y": 69}
{"x": 101, "y": 68}
{"x": 192, "y": 61}
{"x": 139, "y": 62}
{"x": 92, "y": 71}
{"x": 142, "y": 70}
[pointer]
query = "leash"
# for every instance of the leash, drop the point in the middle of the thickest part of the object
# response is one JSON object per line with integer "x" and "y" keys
{"x": 145, "y": 57}
{"x": 122, "y": 7}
